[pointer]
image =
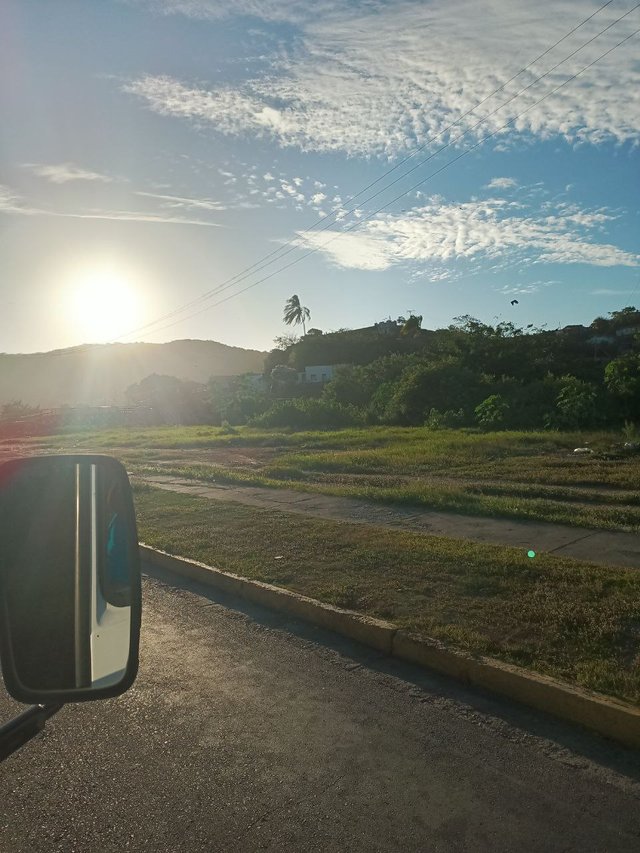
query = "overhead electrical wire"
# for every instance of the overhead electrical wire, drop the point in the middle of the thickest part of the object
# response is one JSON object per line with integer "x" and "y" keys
{"x": 298, "y": 241}
{"x": 405, "y": 192}
{"x": 378, "y": 210}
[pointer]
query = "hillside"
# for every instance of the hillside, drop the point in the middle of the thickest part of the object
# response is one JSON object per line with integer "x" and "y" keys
{"x": 99, "y": 375}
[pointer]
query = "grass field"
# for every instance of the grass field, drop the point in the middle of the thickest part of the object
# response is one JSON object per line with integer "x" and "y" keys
{"x": 575, "y": 621}
{"x": 532, "y": 475}
{"x": 571, "y": 620}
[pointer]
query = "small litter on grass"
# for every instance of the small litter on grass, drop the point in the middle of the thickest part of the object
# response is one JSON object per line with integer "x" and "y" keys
{"x": 279, "y": 557}
{"x": 583, "y": 450}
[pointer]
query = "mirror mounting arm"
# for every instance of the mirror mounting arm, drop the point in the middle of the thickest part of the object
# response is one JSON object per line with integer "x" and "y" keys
{"x": 20, "y": 730}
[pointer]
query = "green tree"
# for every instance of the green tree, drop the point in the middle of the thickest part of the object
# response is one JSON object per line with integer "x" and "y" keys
{"x": 172, "y": 400}
{"x": 412, "y": 325}
{"x": 629, "y": 316}
{"x": 283, "y": 378}
{"x": 351, "y": 385}
{"x": 622, "y": 376}
{"x": 285, "y": 342}
{"x": 622, "y": 380}
{"x": 442, "y": 385}
{"x": 296, "y": 313}
{"x": 575, "y": 403}
{"x": 237, "y": 399}
{"x": 491, "y": 413}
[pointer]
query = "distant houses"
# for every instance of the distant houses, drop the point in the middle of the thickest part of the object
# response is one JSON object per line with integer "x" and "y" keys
{"x": 387, "y": 327}
{"x": 318, "y": 373}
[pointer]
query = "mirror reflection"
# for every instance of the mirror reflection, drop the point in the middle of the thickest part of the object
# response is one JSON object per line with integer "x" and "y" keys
{"x": 68, "y": 551}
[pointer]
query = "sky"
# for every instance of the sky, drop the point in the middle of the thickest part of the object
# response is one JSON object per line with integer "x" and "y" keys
{"x": 177, "y": 169}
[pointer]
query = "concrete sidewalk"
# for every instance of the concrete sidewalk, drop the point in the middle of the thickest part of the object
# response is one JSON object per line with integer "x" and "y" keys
{"x": 608, "y": 548}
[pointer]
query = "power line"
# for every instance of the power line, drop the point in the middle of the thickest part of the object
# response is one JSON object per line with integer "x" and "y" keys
{"x": 297, "y": 241}
{"x": 357, "y": 224}
{"x": 242, "y": 277}
{"x": 405, "y": 192}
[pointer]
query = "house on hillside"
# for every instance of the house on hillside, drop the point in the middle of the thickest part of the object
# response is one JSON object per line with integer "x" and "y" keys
{"x": 387, "y": 327}
{"x": 625, "y": 337}
{"x": 601, "y": 340}
{"x": 319, "y": 373}
{"x": 602, "y": 346}
{"x": 627, "y": 332}
{"x": 573, "y": 329}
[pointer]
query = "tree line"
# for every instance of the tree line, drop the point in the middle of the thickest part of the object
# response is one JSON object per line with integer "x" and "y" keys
{"x": 470, "y": 374}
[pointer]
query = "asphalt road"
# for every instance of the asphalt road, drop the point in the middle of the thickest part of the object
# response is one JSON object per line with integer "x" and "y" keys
{"x": 246, "y": 731}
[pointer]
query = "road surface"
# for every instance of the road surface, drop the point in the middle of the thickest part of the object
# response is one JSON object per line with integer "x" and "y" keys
{"x": 248, "y": 731}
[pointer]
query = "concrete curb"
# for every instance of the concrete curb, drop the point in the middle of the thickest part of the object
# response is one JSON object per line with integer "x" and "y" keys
{"x": 609, "y": 717}
{"x": 370, "y": 632}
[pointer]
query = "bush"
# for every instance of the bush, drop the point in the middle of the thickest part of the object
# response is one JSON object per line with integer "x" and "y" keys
{"x": 443, "y": 385}
{"x": 301, "y": 414}
{"x": 491, "y": 413}
{"x": 445, "y": 420}
{"x": 575, "y": 404}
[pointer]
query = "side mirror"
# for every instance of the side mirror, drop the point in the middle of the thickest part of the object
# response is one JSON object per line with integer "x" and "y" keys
{"x": 70, "y": 597}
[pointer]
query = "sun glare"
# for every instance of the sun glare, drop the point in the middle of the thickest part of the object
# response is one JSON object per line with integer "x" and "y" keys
{"x": 104, "y": 305}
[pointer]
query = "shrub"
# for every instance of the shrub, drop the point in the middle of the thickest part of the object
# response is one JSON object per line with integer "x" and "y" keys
{"x": 445, "y": 420}
{"x": 575, "y": 404}
{"x": 441, "y": 385}
{"x": 491, "y": 413}
{"x": 300, "y": 414}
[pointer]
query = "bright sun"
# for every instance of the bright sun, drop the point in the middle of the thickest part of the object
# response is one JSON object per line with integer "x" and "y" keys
{"x": 104, "y": 305}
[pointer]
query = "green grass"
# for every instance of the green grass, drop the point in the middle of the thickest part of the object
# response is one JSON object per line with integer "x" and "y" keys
{"x": 561, "y": 506}
{"x": 561, "y": 617}
{"x": 526, "y": 475}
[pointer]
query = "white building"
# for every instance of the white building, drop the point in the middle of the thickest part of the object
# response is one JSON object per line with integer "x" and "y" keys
{"x": 319, "y": 373}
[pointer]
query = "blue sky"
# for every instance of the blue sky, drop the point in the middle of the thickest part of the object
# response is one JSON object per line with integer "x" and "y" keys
{"x": 154, "y": 149}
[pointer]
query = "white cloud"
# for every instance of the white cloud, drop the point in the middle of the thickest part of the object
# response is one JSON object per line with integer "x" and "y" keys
{"x": 179, "y": 202}
{"x": 63, "y": 173}
{"x": 291, "y": 11}
{"x": 490, "y": 231}
{"x": 10, "y": 203}
{"x": 131, "y": 216}
{"x": 350, "y": 251}
{"x": 380, "y": 78}
{"x": 288, "y": 191}
{"x": 527, "y": 289}
{"x": 501, "y": 184}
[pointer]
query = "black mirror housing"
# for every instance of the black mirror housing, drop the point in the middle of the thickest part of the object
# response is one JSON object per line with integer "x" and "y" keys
{"x": 70, "y": 589}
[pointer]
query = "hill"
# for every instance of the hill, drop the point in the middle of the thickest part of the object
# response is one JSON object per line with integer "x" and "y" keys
{"x": 94, "y": 375}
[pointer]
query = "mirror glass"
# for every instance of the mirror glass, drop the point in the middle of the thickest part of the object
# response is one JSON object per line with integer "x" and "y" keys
{"x": 70, "y": 576}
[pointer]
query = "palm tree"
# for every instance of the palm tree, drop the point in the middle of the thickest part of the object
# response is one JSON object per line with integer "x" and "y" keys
{"x": 296, "y": 313}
